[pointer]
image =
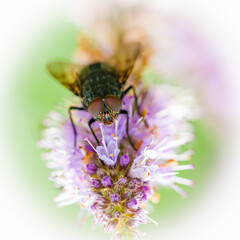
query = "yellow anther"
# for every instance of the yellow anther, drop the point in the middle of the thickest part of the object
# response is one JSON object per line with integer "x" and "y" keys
{"x": 144, "y": 112}
{"x": 171, "y": 162}
{"x": 83, "y": 150}
{"x": 81, "y": 204}
{"x": 111, "y": 154}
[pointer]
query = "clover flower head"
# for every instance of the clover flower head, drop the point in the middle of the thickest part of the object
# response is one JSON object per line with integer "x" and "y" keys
{"x": 113, "y": 181}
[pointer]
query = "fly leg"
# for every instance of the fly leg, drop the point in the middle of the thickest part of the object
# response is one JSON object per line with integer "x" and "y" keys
{"x": 129, "y": 138}
{"x": 136, "y": 102}
{"x": 74, "y": 128}
{"x": 73, "y": 125}
{"x": 89, "y": 124}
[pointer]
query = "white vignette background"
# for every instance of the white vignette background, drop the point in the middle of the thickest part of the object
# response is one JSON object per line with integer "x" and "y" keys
{"x": 217, "y": 216}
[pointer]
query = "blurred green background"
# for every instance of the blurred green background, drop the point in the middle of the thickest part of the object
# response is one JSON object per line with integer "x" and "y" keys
{"x": 35, "y": 93}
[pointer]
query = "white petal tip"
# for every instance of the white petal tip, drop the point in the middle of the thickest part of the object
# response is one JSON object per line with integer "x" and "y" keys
{"x": 184, "y": 195}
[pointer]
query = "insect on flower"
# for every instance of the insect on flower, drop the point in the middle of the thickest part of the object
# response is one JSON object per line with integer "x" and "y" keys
{"x": 100, "y": 86}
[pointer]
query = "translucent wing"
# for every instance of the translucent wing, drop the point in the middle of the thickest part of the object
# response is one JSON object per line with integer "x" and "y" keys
{"x": 66, "y": 74}
{"x": 124, "y": 59}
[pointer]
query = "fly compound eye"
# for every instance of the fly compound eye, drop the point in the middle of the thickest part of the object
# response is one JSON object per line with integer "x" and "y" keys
{"x": 95, "y": 107}
{"x": 113, "y": 102}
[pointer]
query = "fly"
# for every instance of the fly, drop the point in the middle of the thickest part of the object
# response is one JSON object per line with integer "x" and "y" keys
{"x": 100, "y": 86}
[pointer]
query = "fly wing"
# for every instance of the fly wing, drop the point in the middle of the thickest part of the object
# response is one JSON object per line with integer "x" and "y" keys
{"x": 123, "y": 60}
{"x": 66, "y": 74}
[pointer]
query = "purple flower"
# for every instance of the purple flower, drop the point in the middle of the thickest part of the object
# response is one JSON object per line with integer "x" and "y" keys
{"x": 106, "y": 181}
{"x": 102, "y": 200}
{"x": 91, "y": 168}
{"x": 145, "y": 189}
{"x": 108, "y": 153}
{"x": 100, "y": 172}
{"x": 132, "y": 203}
{"x": 94, "y": 206}
{"x": 91, "y": 176}
{"x": 96, "y": 183}
{"x": 134, "y": 183}
{"x": 116, "y": 214}
{"x": 143, "y": 197}
{"x": 115, "y": 197}
{"x": 121, "y": 181}
{"x": 124, "y": 160}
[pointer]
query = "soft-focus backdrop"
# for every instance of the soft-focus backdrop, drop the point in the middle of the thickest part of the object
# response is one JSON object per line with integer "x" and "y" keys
{"x": 32, "y": 32}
